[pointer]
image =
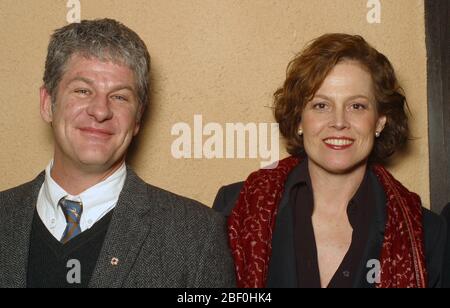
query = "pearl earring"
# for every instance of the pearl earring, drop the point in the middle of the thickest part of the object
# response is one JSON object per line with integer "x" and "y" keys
{"x": 377, "y": 134}
{"x": 300, "y": 132}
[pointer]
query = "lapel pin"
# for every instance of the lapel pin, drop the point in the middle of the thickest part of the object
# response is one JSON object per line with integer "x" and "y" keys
{"x": 114, "y": 261}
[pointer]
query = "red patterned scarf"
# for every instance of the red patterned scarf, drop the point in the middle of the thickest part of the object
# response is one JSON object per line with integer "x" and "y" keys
{"x": 252, "y": 222}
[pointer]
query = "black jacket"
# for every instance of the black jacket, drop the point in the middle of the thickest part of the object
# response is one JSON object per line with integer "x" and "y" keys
{"x": 446, "y": 272}
{"x": 282, "y": 269}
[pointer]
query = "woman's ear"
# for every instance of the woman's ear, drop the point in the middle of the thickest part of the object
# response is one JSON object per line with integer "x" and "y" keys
{"x": 46, "y": 105}
{"x": 381, "y": 123}
{"x": 300, "y": 130}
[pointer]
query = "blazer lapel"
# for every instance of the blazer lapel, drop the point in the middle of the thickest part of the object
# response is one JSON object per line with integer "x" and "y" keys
{"x": 15, "y": 235}
{"x": 128, "y": 230}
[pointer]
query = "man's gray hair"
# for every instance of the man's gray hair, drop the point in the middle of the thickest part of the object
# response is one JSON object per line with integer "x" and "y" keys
{"x": 105, "y": 39}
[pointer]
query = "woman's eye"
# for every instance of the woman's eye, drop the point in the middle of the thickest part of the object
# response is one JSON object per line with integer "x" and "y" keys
{"x": 358, "y": 106}
{"x": 320, "y": 106}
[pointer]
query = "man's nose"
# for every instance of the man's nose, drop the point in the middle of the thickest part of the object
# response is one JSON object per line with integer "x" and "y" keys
{"x": 100, "y": 108}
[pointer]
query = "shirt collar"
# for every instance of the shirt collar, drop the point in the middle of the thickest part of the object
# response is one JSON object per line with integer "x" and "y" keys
{"x": 104, "y": 192}
{"x": 360, "y": 203}
{"x": 302, "y": 176}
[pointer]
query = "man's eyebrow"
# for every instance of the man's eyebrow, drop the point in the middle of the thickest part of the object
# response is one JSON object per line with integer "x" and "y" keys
{"x": 83, "y": 79}
{"x": 123, "y": 87}
{"x": 91, "y": 82}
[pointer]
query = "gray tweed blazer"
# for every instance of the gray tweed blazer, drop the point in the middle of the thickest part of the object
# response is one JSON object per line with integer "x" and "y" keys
{"x": 160, "y": 240}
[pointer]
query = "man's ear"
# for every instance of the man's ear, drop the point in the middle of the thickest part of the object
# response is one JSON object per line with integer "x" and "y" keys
{"x": 140, "y": 115}
{"x": 137, "y": 128}
{"x": 46, "y": 105}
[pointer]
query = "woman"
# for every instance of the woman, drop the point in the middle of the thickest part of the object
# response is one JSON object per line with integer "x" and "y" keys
{"x": 330, "y": 215}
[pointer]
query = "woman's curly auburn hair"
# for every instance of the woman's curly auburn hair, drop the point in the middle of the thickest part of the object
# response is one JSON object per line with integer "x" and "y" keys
{"x": 306, "y": 73}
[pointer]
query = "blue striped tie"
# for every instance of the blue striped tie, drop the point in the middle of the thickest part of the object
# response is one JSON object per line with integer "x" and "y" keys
{"x": 72, "y": 211}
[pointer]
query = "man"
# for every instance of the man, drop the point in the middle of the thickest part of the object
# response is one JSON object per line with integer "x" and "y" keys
{"x": 89, "y": 220}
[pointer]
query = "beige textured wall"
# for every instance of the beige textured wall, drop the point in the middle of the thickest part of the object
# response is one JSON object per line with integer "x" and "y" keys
{"x": 219, "y": 58}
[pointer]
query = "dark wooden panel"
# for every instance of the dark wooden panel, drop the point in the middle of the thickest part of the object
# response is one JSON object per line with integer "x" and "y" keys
{"x": 437, "y": 16}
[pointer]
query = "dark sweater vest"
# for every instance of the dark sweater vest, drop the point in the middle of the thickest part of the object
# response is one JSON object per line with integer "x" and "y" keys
{"x": 54, "y": 265}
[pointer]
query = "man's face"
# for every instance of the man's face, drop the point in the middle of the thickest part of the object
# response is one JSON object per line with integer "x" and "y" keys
{"x": 96, "y": 114}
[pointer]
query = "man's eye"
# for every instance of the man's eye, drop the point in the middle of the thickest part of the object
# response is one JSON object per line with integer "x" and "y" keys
{"x": 119, "y": 98}
{"x": 82, "y": 91}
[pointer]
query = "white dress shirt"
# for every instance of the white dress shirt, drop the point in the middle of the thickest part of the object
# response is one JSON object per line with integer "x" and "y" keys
{"x": 97, "y": 201}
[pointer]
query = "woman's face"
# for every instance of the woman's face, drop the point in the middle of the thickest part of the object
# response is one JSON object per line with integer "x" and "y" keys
{"x": 340, "y": 122}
